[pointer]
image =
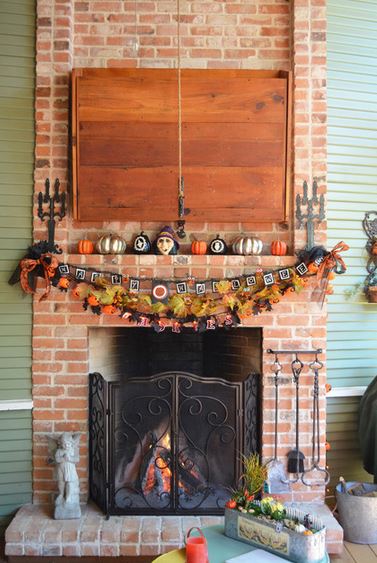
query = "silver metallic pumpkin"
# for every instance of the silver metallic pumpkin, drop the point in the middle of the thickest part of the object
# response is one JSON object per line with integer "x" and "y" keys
{"x": 247, "y": 246}
{"x": 111, "y": 244}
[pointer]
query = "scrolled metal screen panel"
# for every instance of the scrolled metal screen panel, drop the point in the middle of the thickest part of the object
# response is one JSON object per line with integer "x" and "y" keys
{"x": 98, "y": 467}
{"x": 175, "y": 442}
{"x": 208, "y": 442}
{"x": 141, "y": 425}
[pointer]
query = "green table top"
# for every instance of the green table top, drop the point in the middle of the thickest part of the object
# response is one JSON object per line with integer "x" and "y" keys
{"x": 220, "y": 548}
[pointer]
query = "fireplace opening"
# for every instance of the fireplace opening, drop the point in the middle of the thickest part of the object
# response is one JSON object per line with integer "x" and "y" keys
{"x": 170, "y": 416}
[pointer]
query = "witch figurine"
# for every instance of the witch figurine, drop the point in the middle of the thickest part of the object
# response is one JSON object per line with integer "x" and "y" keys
{"x": 165, "y": 242}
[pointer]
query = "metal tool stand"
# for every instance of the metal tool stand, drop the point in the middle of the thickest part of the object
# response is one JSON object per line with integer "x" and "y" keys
{"x": 295, "y": 457}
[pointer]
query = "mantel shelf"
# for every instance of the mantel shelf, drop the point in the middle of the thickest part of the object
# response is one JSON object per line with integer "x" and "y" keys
{"x": 180, "y": 260}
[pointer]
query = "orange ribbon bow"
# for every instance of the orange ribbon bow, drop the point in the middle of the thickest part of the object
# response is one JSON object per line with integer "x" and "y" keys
{"x": 332, "y": 259}
{"x": 49, "y": 264}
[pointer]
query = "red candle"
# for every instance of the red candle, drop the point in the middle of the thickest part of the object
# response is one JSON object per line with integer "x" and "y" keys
{"x": 196, "y": 547}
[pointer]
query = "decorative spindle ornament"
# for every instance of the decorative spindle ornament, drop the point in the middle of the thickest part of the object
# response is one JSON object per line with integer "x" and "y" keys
{"x": 56, "y": 205}
{"x": 310, "y": 216}
{"x": 181, "y": 228}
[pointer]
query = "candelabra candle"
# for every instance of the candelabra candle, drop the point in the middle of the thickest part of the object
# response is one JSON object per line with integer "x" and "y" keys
{"x": 54, "y": 212}
{"x": 310, "y": 216}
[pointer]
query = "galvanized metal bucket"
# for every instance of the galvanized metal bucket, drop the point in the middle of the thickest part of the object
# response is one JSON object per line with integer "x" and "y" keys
{"x": 358, "y": 515}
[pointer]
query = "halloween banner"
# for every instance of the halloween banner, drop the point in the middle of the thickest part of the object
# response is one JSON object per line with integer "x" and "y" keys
{"x": 201, "y": 304}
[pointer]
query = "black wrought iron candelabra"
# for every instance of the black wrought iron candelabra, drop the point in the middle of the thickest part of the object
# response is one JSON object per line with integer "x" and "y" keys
{"x": 56, "y": 205}
{"x": 310, "y": 216}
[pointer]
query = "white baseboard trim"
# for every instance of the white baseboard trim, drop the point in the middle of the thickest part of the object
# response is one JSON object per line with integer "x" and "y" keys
{"x": 346, "y": 391}
{"x": 20, "y": 405}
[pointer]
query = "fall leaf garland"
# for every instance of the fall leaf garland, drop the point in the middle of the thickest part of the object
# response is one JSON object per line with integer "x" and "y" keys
{"x": 230, "y": 300}
{"x": 225, "y": 307}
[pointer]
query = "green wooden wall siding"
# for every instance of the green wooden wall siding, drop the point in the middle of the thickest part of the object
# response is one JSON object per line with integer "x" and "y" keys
{"x": 352, "y": 190}
{"x": 15, "y": 463}
{"x": 17, "y": 70}
{"x": 344, "y": 458}
{"x": 352, "y": 183}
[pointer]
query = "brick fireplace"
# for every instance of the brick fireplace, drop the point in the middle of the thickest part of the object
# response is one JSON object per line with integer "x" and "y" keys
{"x": 170, "y": 416}
{"x": 62, "y": 363}
{"x": 264, "y": 34}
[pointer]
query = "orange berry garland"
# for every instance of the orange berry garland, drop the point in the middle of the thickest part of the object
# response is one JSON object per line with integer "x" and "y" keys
{"x": 313, "y": 268}
{"x": 93, "y": 301}
{"x": 109, "y": 310}
{"x": 63, "y": 283}
{"x": 76, "y": 292}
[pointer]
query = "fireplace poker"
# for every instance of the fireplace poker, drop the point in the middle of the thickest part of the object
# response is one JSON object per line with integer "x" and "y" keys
{"x": 277, "y": 479}
{"x": 315, "y": 366}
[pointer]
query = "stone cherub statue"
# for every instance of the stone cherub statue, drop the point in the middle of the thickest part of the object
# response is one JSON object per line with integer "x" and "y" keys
{"x": 64, "y": 452}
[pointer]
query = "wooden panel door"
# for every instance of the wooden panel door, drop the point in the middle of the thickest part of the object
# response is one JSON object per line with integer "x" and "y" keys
{"x": 125, "y": 144}
{"x": 234, "y": 144}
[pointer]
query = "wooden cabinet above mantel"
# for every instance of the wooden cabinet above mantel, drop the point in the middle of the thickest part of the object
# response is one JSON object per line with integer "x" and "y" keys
{"x": 235, "y": 131}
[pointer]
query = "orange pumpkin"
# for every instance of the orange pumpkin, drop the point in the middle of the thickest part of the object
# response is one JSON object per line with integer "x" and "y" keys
{"x": 329, "y": 290}
{"x": 331, "y": 275}
{"x": 76, "y": 293}
{"x": 93, "y": 301}
{"x": 109, "y": 310}
{"x": 63, "y": 283}
{"x": 278, "y": 248}
{"x": 374, "y": 248}
{"x": 85, "y": 246}
{"x": 199, "y": 247}
{"x": 327, "y": 446}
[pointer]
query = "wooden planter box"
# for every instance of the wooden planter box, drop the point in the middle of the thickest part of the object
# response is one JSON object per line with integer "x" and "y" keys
{"x": 288, "y": 544}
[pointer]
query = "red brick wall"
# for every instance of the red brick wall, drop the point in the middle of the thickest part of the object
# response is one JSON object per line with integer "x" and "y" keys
{"x": 230, "y": 34}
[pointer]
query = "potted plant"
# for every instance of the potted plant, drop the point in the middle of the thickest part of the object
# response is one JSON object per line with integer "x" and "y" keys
{"x": 370, "y": 287}
{"x": 269, "y": 524}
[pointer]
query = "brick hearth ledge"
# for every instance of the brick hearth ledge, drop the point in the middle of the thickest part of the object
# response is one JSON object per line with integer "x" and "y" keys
{"x": 33, "y": 532}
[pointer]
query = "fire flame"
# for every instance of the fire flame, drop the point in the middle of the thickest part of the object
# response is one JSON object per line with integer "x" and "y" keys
{"x": 158, "y": 476}
{"x": 160, "y": 463}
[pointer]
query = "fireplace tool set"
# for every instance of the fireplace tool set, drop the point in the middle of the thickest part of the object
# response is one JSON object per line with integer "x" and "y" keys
{"x": 276, "y": 472}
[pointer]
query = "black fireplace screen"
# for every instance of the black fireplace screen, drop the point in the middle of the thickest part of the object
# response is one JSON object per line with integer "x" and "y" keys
{"x": 169, "y": 443}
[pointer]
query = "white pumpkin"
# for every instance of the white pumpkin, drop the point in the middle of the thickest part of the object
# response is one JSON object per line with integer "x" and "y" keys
{"x": 111, "y": 244}
{"x": 247, "y": 246}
